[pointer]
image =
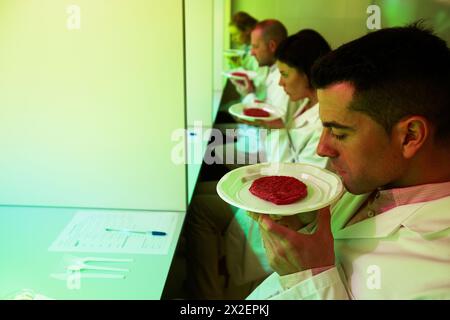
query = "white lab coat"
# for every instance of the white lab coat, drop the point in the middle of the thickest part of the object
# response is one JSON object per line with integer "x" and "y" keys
{"x": 250, "y": 143}
{"x": 403, "y": 253}
{"x": 305, "y": 130}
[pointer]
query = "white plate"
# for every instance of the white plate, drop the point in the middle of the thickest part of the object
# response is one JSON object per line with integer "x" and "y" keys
{"x": 324, "y": 187}
{"x": 234, "y": 53}
{"x": 250, "y": 74}
{"x": 237, "y": 110}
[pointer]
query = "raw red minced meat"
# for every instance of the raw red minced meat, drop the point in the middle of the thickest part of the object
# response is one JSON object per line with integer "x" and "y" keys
{"x": 239, "y": 74}
{"x": 279, "y": 189}
{"x": 256, "y": 112}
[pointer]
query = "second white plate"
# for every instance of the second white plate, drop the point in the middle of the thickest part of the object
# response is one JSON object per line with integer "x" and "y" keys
{"x": 237, "y": 110}
{"x": 230, "y": 74}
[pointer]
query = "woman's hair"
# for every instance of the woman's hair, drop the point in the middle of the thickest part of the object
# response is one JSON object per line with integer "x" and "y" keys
{"x": 301, "y": 50}
{"x": 243, "y": 21}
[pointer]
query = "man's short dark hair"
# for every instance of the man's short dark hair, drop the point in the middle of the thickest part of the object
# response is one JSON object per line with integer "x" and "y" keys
{"x": 272, "y": 30}
{"x": 301, "y": 50}
{"x": 396, "y": 72}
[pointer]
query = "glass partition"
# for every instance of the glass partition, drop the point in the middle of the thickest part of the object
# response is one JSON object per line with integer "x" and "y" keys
{"x": 90, "y": 95}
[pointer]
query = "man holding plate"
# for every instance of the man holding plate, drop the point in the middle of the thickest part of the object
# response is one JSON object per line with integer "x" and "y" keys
{"x": 384, "y": 104}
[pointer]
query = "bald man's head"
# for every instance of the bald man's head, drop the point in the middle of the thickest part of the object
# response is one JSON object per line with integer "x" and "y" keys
{"x": 272, "y": 30}
{"x": 265, "y": 38}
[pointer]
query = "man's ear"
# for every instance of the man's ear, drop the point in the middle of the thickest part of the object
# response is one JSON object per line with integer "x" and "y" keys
{"x": 272, "y": 46}
{"x": 413, "y": 132}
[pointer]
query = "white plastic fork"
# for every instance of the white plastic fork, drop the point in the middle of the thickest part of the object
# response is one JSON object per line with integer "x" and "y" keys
{"x": 83, "y": 264}
{"x": 65, "y": 276}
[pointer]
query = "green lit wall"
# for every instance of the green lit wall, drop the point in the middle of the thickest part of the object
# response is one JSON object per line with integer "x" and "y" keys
{"x": 86, "y": 115}
{"x": 343, "y": 20}
{"x": 436, "y": 14}
{"x": 338, "y": 20}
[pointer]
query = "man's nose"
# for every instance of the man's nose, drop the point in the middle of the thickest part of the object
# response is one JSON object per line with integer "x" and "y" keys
{"x": 325, "y": 148}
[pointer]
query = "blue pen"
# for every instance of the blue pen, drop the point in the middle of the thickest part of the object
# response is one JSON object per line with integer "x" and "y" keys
{"x": 150, "y": 232}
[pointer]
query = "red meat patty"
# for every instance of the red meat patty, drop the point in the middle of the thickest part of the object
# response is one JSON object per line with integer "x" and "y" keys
{"x": 279, "y": 189}
{"x": 239, "y": 74}
{"x": 256, "y": 112}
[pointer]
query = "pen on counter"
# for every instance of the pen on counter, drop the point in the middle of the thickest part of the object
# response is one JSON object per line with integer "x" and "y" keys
{"x": 149, "y": 232}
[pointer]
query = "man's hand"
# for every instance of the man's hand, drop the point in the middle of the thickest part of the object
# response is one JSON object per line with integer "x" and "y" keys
{"x": 289, "y": 251}
{"x": 234, "y": 62}
{"x": 243, "y": 85}
{"x": 274, "y": 124}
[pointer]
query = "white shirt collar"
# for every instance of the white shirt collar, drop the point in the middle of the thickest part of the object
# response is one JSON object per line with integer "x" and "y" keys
{"x": 423, "y": 218}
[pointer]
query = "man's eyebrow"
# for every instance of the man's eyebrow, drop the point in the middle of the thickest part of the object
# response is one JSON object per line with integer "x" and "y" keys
{"x": 332, "y": 124}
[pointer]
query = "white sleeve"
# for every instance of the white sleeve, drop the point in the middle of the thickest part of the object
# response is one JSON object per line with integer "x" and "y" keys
{"x": 303, "y": 285}
{"x": 267, "y": 289}
{"x": 249, "y": 99}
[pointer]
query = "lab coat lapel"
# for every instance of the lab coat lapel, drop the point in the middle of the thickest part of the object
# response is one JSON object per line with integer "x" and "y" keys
{"x": 430, "y": 218}
{"x": 423, "y": 218}
{"x": 379, "y": 226}
{"x": 344, "y": 209}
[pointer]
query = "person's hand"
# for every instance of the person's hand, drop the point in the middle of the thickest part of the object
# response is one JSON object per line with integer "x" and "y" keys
{"x": 274, "y": 124}
{"x": 289, "y": 251}
{"x": 243, "y": 85}
{"x": 234, "y": 62}
{"x": 247, "y": 122}
{"x": 292, "y": 222}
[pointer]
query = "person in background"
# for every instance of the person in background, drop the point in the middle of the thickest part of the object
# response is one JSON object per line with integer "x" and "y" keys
{"x": 240, "y": 28}
{"x": 226, "y": 259}
{"x": 250, "y": 144}
{"x": 239, "y": 58}
{"x": 385, "y": 107}
{"x": 265, "y": 38}
{"x": 295, "y": 57}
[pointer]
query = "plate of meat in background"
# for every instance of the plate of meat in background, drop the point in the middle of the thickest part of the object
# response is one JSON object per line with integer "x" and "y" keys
{"x": 256, "y": 111}
{"x": 240, "y": 74}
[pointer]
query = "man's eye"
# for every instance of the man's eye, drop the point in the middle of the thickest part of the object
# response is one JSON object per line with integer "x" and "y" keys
{"x": 338, "y": 136}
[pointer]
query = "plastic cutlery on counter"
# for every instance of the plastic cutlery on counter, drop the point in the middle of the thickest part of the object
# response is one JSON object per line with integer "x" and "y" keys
{"x": 65, "y": 276}
{"x": 79, "y": 264}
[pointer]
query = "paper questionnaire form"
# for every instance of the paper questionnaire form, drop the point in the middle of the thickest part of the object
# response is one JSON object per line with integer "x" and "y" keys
{"x": 118, "y": 232}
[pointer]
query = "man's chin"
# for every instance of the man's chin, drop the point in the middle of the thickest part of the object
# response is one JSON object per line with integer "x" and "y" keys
{"x": 355, "y": 190}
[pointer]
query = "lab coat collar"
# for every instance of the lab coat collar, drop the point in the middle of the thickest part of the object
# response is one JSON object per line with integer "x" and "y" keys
{"x": 309, "y": 116}
{"x": 273, "y": 68}
{"x": 423, "y": 218}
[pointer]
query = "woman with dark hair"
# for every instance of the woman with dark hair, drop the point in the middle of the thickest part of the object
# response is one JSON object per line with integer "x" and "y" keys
{"x": 241, "y": 26}
{"x": 295, "y": 58}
